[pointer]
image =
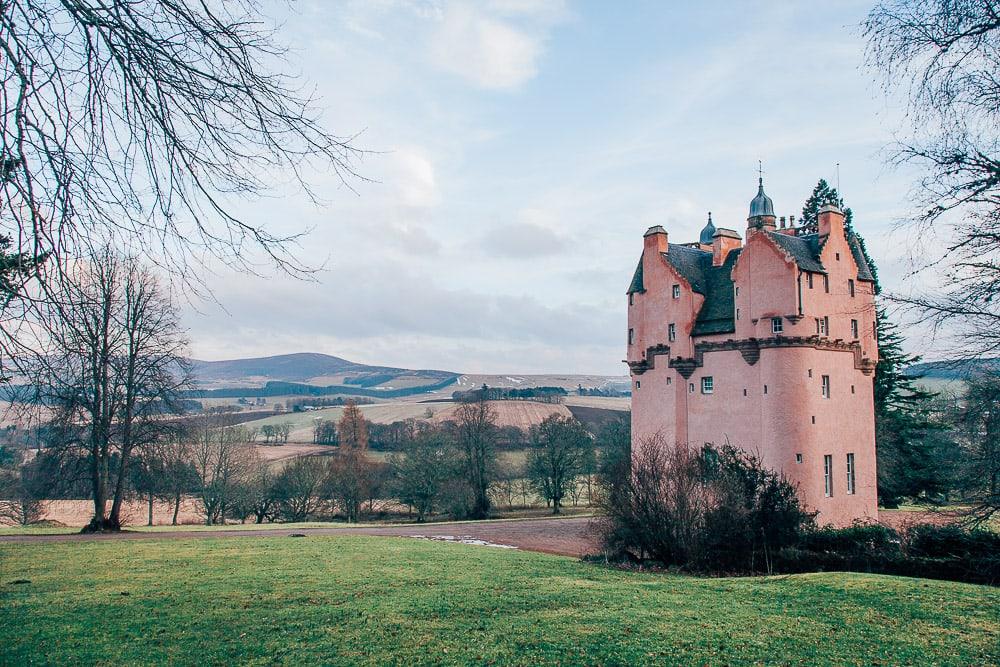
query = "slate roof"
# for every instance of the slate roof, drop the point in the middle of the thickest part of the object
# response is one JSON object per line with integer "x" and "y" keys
{"x": 803, "y": 249}
{"x": 864, "y": 271}
{"x": 636, "y": 284}
{"x": 716, "y": 314}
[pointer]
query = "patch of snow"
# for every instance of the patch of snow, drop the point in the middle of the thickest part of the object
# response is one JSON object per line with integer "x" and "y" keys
{"x": 515, "y": 380}
{"x": 463, "y": 539}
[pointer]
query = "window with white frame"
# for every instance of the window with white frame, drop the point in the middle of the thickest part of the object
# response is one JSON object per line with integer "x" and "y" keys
{"x": 707, "y": 384}
{"x": 777, "y": 326}
{"x": 677, "y": 291}
{"x": 854, "y": 328}
{"x": 671, "y": 332}
{"x": 828, "y": 475}
{"x": 822, "y": 326}
{"x": 850, "y": 474}
{"x": 825, "y": 383}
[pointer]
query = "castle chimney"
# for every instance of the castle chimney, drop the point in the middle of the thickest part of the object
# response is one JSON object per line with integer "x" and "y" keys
{"x": 654, "y": 240}
{"x": 831, "y": 220}
{"x": 724, "y": 242}
{"x": 782, "y": 222}
{"x": 791, "y": 221}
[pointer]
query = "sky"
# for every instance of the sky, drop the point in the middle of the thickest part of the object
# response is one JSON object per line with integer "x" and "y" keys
{"x": 517, "y": 151}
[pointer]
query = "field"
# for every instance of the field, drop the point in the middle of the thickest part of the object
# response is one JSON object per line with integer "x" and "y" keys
{"x": 323, "y": 600}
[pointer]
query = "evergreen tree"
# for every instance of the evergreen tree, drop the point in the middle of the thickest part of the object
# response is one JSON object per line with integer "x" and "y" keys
{"x": 914, "y": 456}
{"x": 821, "y": 195}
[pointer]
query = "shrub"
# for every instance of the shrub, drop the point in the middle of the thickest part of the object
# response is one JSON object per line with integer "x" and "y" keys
{"x": 717, "y": 510}
{"x": 952, "y": 541}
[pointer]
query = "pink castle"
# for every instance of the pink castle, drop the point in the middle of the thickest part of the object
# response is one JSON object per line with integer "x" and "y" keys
{"x": 769, "y": 346}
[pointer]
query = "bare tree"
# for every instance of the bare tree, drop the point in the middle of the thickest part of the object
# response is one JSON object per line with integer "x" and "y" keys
{"x": 979, "y": 470}
{"x": 138, "y": 121}
{"x": 561, "y": 449}
{"x": 945, "y": 56}
{"x": 298, "y": 488}
{"x": 21, "y": 493}
{"x": 224, "y": 463}
{"x": 476, "y": 430}
{"x": 111, "y": 365}
{"x": 352, "y": 430}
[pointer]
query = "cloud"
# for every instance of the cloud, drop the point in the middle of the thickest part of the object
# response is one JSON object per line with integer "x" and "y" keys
{"x": 495, "y": 46}
{"x": 523, "y": 240}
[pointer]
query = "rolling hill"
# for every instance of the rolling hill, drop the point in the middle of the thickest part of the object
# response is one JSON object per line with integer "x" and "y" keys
{"x": 310, "y": 368}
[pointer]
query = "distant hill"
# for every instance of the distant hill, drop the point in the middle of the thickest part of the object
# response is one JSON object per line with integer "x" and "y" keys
{"x": 956, "y": 369}
{"x": 310, "y": 368}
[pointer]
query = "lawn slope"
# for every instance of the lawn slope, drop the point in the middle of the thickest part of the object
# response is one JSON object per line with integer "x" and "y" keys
{"x": 405, "y": 601}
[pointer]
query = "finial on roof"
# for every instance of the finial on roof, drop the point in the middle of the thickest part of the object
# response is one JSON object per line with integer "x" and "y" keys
{"x": 761, "y": 204}
{"x": 705, "y": 238}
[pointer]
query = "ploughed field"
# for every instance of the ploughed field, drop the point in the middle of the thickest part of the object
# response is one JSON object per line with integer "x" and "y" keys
{"x": 380, "y": 600}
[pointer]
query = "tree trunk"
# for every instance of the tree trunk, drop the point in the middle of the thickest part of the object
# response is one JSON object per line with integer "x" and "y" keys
{"x": 177, "y": 508}
{"x": 150, "y": 521}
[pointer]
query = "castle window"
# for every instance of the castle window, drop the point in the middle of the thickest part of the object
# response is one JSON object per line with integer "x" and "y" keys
{"x": 826, "y": 284}
{"x": 850, "y": 286}
{"x": 777, "y": 326}
{"x": 828, "y": 475}
{"x": 810, "y": 277}
{"x": 671, "y": 332}
{"x": 737, "y": 291}
{"x": 838, "y": 256}
{"x": 854, "y": 328}
{"x": 670, "y": 381}
{"x": 744, "y": 392}
{"x": 810, "y": 372}
{"x": 798, "y": 458}
{"x": 737, "y": 313}
{"x": 691, "y": 387}
{"x": 765, "y": 388}
{"x": 825, "y": 380}
{"x": 637, "y": 384}
{"x": 850, "y": 474}
{"x": 822, "y": 326}
{"x": 852, "y": 388}
{"x": 814, "y": 419}
{"x": 707, "y": 384}
{"x": 631, "y": 336}
{"x": 677, "y": 291}
{"x": 631, "y": 298}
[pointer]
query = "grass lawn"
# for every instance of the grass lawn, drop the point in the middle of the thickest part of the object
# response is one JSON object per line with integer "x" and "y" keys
{"x": 336, "y": 600}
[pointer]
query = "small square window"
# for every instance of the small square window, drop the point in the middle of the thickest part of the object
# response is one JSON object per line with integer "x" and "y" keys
{"x": 707, "y": 384}
{"x": 677, "y": 291}
{"x": 777, "y": 326}
{"x": 798, "y": 458}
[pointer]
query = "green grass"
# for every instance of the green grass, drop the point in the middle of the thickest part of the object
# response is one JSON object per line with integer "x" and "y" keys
{"x": 347, "y": 600}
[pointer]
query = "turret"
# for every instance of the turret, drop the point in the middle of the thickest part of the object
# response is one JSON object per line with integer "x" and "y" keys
{"x": 761, "y": 211}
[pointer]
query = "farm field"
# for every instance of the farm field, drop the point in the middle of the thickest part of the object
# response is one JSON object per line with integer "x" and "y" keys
{"x": 364, "y": 600}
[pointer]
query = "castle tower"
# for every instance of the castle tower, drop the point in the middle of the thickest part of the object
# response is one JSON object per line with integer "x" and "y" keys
{"x": 769, "y": 346}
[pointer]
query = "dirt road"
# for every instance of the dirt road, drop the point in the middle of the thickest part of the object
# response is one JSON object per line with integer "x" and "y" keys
{"x": 564, "y": 537}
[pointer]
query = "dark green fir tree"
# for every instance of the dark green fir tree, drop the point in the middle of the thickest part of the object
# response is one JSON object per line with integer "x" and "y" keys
{"x": 914, "y": 454}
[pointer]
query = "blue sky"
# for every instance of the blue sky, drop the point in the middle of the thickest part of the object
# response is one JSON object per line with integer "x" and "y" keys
{"x": 519, "y": 151}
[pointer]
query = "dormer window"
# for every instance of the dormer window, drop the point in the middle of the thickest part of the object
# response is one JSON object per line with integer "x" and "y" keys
{"x": 677, "y": 291}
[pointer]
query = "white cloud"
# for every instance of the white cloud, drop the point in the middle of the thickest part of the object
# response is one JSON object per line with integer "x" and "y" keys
{"x": 486, "y": 46}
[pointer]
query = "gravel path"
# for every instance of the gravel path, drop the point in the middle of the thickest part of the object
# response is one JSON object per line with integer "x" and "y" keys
{"x": 565, "y": 537}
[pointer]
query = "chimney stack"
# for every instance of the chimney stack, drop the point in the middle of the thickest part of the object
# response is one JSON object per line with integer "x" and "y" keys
{"x": 831, "y": 220}
{"x": 724, "y": 242}
{"x": 654, "y": 240}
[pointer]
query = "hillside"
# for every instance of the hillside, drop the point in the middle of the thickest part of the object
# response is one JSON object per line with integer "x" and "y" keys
{"x": 321, "y": 370}
{"x": 953, "y": 369}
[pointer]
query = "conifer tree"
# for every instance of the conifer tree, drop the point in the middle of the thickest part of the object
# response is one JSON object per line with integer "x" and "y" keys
{"x": 911, "y": 448}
